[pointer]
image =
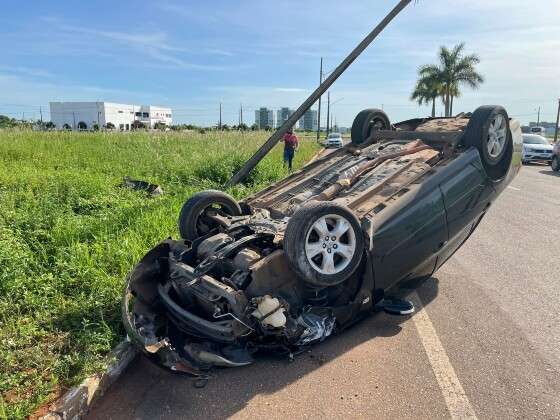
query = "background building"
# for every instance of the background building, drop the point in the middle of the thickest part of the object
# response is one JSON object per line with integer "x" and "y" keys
{"x": 84, "y": 115}
{"x": 264, "y": 118}
{"x": 282, "y": 116}
{"x": 309, "y": 121}
{"x": 549, "y": 127}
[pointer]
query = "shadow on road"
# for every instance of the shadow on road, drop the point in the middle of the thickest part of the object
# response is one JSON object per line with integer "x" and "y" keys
{"x": 550, "y": 172}
{"x": 146, "y": 391}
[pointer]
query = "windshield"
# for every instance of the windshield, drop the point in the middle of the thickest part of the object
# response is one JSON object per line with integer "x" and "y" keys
{"x": 537, "y": 130}
{"x": 534, "y": 140}
{"x": 334, "y": 136}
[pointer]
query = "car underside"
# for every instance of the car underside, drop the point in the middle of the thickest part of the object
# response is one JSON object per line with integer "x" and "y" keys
{"x": 317, "y": 251}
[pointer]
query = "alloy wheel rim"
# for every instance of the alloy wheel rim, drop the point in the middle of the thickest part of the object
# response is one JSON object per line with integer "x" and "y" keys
{"x": 330, "y": 244}
{"x": 497, "y": 136}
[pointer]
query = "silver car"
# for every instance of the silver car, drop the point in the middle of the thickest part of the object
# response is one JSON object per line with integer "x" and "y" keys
{"x": 536, "y": 149}
{"x": 334, "y": 140}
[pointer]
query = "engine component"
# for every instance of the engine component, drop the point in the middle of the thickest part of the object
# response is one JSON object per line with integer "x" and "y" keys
{"x": 226, "y": 356}
{"x": 270, "y": 312}
{"x": 245, "y": 258}
{"x": 212, "y": 244}
{"x": 273, "y": 275}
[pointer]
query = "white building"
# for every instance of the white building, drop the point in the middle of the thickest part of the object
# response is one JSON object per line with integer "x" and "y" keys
{"x": 84, "y": 115}
{"x": 264, "y": 118}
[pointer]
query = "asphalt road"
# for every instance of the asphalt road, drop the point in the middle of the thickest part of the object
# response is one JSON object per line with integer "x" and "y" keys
{"x": 486, "y": 343}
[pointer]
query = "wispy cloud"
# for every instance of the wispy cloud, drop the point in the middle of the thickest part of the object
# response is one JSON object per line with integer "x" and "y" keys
{"x": 18, "y": 70}
{"x": 154, "y": 44}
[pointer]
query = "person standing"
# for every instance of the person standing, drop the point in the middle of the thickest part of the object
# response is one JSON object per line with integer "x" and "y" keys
{"x": 291, "y": 144}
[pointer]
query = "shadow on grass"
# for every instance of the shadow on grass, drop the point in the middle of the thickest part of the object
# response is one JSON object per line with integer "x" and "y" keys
{"x": 146, "y": 391}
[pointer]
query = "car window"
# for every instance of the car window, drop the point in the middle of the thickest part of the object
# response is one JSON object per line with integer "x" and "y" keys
{"x": 534, "y": 140}
{"x": 334, "y": 136}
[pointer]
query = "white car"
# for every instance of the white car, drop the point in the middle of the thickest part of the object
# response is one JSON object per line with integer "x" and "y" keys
{"x": 536, "y": 149}
{"x": 334, "y": 140}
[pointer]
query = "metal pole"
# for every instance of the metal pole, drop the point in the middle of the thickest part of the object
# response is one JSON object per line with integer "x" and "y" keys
{"x": 220, "y": 123}
{"x": 557, "y": 122}
{"x": 328, "y": 112}
{"x": 539, "y": 116}
{"x": 319, "y": 110}
{"x": 271, "y": 142}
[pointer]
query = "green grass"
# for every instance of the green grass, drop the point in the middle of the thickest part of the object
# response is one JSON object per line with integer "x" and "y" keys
{"x": 69, "y": 234}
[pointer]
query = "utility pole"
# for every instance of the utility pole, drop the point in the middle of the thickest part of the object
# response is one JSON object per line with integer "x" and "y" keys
{"x": 241, "y": 114}
{"x": 557, "y": 122}
{"x": 328, "y": 112}
{"x": 220, "y": 123}
{"x": 539, "y": 116}
{"x": 41, "y": 112}
{"x": 74, "y": 118}
{"x": 23, "y": 117}
{"x": 319, "y": 111}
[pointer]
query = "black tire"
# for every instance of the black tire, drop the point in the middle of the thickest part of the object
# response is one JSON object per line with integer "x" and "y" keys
{"x": 477, "y": 134}
{"x": 366, "y": 122}
{"x": 192, "y": 222}
{"x": 300, "y": 229}
{"x": 555, "y": 164}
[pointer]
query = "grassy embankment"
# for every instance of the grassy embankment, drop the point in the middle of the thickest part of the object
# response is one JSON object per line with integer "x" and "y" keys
{"x": 69, "y": 234}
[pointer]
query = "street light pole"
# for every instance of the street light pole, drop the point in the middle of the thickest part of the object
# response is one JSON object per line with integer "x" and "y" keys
{"x": 319, "y": 110}
{"x": 328, "y": 111}
{"x": 557, "y": 122}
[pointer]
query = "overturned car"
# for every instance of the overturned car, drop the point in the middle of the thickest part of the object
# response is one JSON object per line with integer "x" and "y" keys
{"x": 318, "y": 250}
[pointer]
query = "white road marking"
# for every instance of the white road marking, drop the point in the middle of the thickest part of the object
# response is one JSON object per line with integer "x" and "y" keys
{"x": 514, "y": 188}
{"x": 457, "y": 401}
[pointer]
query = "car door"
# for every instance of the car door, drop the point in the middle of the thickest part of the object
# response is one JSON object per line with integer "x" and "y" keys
{"x": 466, "y": 194}
{"x": 409, "y": 236}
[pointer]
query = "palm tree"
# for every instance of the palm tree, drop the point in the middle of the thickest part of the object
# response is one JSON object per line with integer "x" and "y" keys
{"x": 453, "y": 70}
{"x": 427, "y": 90}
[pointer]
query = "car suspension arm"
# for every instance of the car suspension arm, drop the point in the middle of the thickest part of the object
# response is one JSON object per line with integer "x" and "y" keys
{"x": 290, "y": 122}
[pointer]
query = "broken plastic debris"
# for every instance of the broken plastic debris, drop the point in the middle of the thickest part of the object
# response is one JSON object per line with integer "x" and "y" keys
{"x": 133, "y": 184}
{"x": 317, "y": 327}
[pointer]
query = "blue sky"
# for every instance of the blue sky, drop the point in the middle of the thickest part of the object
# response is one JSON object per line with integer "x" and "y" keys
{"x": 192, "y": 55}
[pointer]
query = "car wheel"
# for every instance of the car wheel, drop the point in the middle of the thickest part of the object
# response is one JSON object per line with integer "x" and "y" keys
{"x": 194, "y": 220}
{"x": 366, "y": 122}
{"x": 555, "y": 164}
{"x": 324, "y": 243}
{"x": 488, "y": 131}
